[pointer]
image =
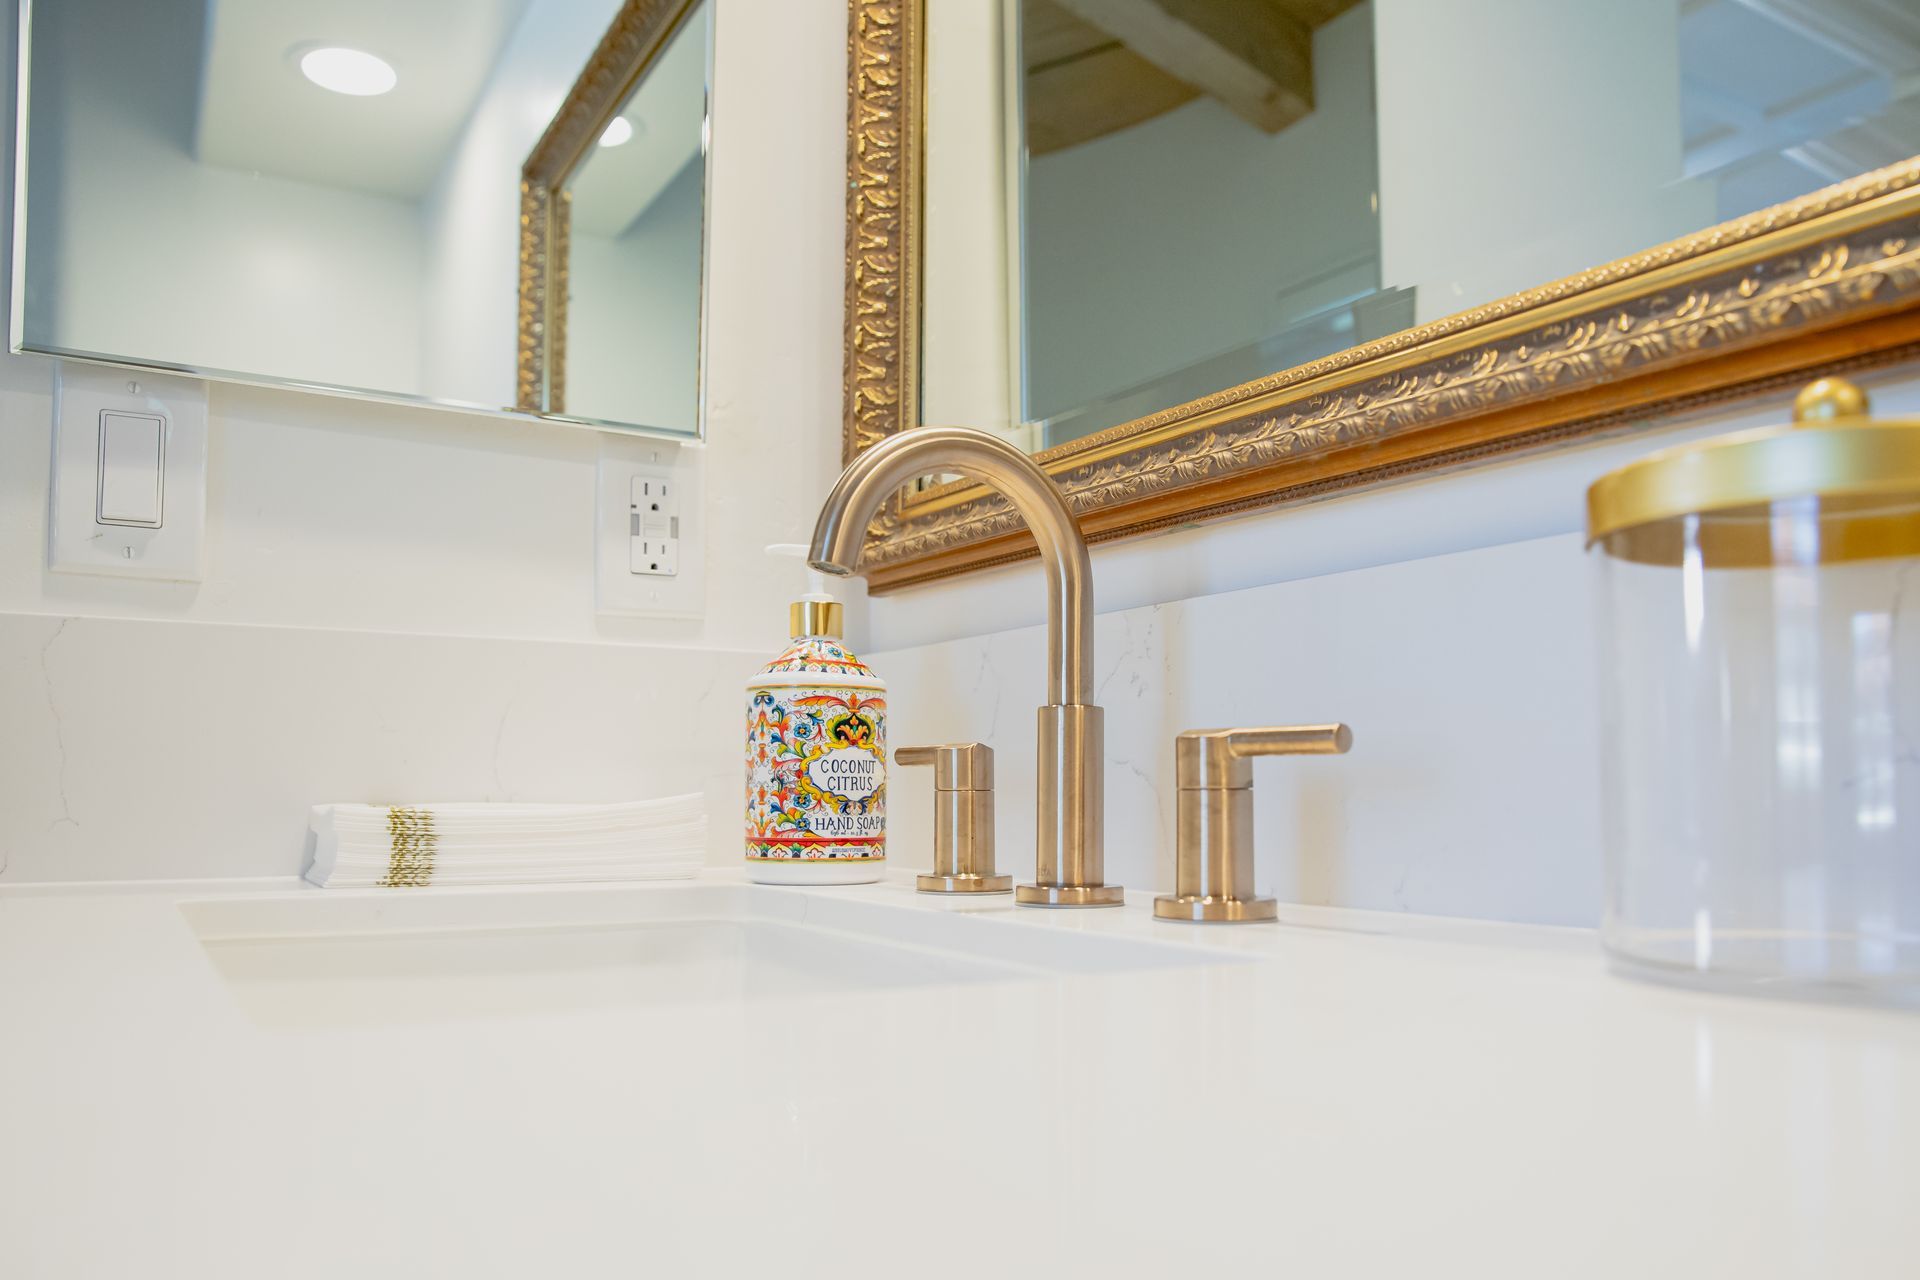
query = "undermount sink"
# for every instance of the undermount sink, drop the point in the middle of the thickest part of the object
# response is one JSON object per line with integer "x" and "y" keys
{"x": 383, "y": 957}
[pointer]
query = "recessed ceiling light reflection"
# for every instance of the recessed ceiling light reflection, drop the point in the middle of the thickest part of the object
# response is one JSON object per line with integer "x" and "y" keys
{"x": 348, "y": 71}
{"x": 618, "y": 132}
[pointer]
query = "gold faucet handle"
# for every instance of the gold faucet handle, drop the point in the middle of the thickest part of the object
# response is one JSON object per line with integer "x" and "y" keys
{"x": 1213, "y": 855}
{"x": 962, "y": 817}
{"x": 957, "y": 766}
{"x": 1223, "y": 757}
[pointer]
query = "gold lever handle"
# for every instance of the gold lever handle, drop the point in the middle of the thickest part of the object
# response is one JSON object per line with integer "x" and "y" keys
{"x": 1222, "y": 757}
{"x": 1213, "y": 856}
{"x": 957, "y": 766}
{"x": 962, "y": 817}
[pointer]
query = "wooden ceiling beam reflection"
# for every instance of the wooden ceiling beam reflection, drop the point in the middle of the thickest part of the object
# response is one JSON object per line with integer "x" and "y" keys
{"x": 1097, "y": 66}
{"x": 1082, "y": 83}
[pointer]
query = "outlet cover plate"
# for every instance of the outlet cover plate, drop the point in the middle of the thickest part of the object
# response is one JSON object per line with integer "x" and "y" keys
{"x": 618, "y": 589}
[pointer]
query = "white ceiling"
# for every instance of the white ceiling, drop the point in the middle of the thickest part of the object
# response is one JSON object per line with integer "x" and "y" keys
{"x": 617, "y": 185}
{"x": 258, "y": 113}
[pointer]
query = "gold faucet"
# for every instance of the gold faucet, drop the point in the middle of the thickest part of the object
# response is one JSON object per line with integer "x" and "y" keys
{"x": 1070, "y": 803}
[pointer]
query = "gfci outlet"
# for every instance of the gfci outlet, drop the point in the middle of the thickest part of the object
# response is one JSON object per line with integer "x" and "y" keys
{"x": 653, "y": 528}
{"x": 648, "y": 556}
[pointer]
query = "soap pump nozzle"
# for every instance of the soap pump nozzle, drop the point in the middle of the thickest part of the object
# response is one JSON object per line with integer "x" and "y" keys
{"x": 816, "y": 613}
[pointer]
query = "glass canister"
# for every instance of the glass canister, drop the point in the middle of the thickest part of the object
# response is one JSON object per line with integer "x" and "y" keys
{"x": 1760, "y": 676}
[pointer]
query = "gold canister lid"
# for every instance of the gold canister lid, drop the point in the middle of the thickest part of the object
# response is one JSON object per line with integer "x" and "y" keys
{"x": 1859, "y": 476}
{"x": 816, "y": 618}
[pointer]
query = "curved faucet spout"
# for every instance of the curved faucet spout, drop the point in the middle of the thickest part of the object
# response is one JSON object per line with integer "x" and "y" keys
{"x": 883, "y": 469}
{"x": 1070, "y": 755}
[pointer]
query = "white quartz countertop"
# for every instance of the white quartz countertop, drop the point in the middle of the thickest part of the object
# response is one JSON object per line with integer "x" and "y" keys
{"x": 1342, "y": 1094}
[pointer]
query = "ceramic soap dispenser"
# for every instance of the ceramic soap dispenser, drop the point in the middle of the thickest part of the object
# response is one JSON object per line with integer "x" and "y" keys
{"x": 816, "y": 754}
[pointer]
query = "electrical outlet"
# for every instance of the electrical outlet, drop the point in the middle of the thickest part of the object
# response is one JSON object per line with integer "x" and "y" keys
{"x": 648, "y": 559}
{"x": 653, "y": 529}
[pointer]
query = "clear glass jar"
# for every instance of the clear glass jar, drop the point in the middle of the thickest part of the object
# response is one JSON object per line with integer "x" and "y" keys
{"x": 1760, "y": 675}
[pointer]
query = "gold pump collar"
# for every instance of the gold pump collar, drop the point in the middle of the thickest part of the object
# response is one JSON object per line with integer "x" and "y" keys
{"x": 1862, "y": 474}
{"x": 816, "y": 618}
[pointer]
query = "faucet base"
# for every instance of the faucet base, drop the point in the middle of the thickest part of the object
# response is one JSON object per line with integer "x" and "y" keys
{"x": 963, "y": 884}
{"x": 1215, "y": 910}
{"x": 1066, "y": 895}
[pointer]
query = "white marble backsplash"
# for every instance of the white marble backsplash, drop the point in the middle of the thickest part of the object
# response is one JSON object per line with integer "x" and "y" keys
{"x": 141, "y": 749}
{"x": 1472, "y": 786}
{"x": 146, "y": 749}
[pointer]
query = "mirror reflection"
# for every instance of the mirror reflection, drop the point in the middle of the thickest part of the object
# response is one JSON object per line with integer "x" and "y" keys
{"x": 636, "y": 202}
{"x": 1206, "y": 192}
{"x": 328, "y": 195}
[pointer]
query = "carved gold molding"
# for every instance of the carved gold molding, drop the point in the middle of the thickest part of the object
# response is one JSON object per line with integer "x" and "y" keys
{"x": 636, "y": 37}
{"x": 1280, "y": 418}
{"x": 1833, "y": 278}
{"x": 883, "y": 220}
{"x": 539, "y": 285}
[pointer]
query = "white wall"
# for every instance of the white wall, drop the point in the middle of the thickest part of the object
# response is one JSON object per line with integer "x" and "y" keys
{"x": 222, "y": 269}
{"x": 1470, "y": 789}
{"x": 359, "y": 553}
{"x": 139, "y": 749}
{"x": 633, "y": 319}
{"x": 1187, "y": 236}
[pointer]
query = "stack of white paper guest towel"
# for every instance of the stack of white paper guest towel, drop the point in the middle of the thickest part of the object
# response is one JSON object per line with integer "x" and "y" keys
{"x": 359, "y": 846}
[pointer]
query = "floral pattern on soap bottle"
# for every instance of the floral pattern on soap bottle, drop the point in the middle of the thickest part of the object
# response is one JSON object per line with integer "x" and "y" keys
{"x": 816, "y": 769}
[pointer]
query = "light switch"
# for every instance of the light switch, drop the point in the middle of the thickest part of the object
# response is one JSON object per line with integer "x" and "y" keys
{"x": 132, "y": 469}
{"x": 129, "y": 476}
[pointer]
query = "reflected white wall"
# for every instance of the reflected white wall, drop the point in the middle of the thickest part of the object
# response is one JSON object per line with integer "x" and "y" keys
{"x": 966, "y": 325}
{"x": 1566, "y": 158}
{"x": 633, "y": 319}
{"x": 136, "y": 249}
{"x": 471, "y": 217}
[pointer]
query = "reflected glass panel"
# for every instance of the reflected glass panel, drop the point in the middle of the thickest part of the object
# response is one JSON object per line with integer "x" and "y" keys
{"x": 633, "y": 275}
{"x": 1211, "y": 192}
{"x": 329, "y": 195}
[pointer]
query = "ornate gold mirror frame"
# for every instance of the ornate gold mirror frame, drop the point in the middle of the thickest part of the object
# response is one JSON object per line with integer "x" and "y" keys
{"x": 636, "y": 37}
{"x": 1827, "y": 282}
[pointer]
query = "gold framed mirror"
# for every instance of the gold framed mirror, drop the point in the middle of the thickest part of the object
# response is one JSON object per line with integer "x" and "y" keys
{"x": 655, "y": 47}
{"x": 1826, "y": 280}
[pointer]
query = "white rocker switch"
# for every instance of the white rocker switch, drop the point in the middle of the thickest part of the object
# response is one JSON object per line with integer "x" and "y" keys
{"x": 132, "y": 477}
{"x": 127, "y": 484}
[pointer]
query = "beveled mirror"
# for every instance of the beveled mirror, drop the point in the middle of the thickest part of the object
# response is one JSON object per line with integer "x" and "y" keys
{"x": 1202, "y": 256}
{"x": 328, "y": 196}
{"x": 611, "y": 225}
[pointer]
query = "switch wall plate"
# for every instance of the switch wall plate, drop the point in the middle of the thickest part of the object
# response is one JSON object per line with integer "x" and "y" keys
{"x": 649, "y": 562}
{"x": 103, "y": 518}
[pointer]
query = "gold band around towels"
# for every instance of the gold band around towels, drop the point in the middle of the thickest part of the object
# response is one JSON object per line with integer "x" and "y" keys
{"x": 412, "y": 845}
